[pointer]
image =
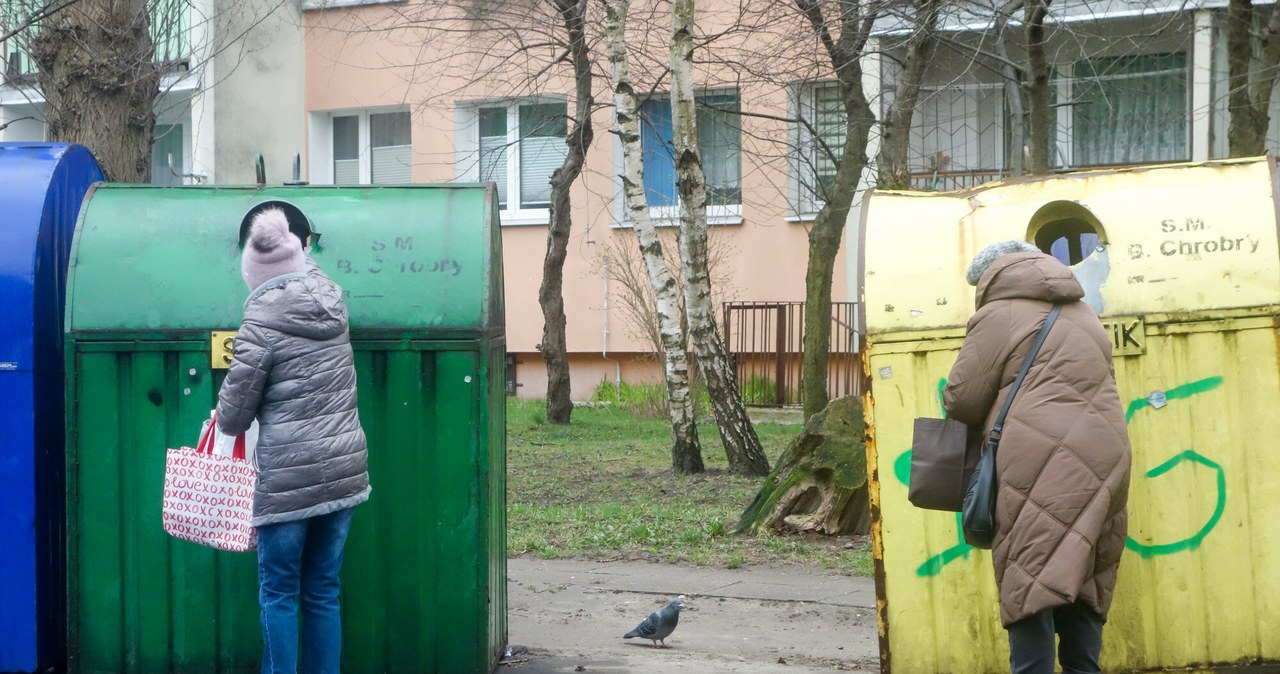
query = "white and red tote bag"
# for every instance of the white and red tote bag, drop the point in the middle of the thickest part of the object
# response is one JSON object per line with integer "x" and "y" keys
{"x": 208, "y": 495}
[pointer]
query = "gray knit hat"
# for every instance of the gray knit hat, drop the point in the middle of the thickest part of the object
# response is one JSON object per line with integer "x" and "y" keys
{"x": 987, "y": 256}
{"x": 271, "y": 250}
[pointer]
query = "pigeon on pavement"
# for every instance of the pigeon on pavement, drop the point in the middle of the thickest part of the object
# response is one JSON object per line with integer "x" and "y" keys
{"x": 660, "y": 624}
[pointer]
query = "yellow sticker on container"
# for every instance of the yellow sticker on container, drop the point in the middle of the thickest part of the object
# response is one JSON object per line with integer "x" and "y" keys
{"x": 221, "y": 348}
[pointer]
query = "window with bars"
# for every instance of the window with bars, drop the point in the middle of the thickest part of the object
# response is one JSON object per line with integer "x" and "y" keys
{"x": 958, "y": 128}
{"x": 1129, "y": 110}
{"x": 819, "y": 143}
{"x": 170, "y": 34}
{"x": 719, "y": 144}
{"x": 520, "y": 146}
{"x": 376, "y": 144}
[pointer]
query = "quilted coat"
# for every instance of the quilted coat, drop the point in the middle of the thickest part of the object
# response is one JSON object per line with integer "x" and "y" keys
{"x": 293, "y": 370}
{"x": 1063, "y": 461}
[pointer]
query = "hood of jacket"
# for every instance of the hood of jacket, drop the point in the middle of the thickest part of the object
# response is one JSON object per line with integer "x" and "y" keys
{"x": 1032, "y": 276}
{"x": 305, "y": 305}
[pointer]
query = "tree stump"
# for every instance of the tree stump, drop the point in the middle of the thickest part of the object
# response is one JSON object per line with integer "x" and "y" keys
{"x": 820, "y": 482}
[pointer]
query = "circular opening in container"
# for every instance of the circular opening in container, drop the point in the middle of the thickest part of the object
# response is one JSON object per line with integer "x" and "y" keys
{"x": 299, "y": 224}
{"x": 1067, "y": 231}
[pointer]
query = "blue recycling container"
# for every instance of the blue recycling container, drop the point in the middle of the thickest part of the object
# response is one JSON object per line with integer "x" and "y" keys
{"x": 41, "y": 188}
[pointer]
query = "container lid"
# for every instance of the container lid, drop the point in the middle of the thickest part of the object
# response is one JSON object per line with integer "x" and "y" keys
{"x": 41, "y": 188}
{"x": 1158, "y": 239}
{"x": 421, "y": 258}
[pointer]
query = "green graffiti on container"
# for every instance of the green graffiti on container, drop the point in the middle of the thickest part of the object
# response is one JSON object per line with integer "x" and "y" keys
{"x": 935, "y": 564}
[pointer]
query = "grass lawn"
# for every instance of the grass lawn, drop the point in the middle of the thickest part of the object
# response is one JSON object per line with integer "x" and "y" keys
{"x": 602, "y": 488}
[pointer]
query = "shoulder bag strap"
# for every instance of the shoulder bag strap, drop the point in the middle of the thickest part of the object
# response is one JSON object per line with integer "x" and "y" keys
{"x": 998, "y": 427}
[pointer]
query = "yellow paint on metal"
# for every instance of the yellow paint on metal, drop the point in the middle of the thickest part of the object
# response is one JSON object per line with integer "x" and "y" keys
{"x": 1200, "y": 236}
{"x": 1200, "y": 580}
{"x": 221, "y": 348}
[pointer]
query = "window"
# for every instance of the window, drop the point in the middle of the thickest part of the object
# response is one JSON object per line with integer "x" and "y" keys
{"x": 518, "y": 146}
{"x": 720, "y": 146}
{"x": 820, "y": 143}
{"x": 1129, "y": 110}
{"x": 958, "y": 127}
{"x": 167, "y": 155}
{"x": 360, "y": 148}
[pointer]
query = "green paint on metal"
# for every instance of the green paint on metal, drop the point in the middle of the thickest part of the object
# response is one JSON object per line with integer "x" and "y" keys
{"x": 934, "y": 565}
{"x": 425, "y": 572}
{"x": 1175, "y": 393}
{"x": 1191, "y": 542}
{"x": 406, "y": 256}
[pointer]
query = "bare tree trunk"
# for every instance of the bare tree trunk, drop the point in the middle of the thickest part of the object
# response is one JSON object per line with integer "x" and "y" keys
{"x": 892, "y": 164}
{"x": 551, "y": 292}
{"x": 741, "y": 444}
{"x": 828, "y": 227}
{"x": 1251, "y": 76}
{"x": 1039, "y": 160}
{"x": 686, "y": 452}
{"x": 100, "y": 83}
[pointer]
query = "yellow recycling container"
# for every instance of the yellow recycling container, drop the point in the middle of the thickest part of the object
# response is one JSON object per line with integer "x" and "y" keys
{"x": 1181, "y": 262}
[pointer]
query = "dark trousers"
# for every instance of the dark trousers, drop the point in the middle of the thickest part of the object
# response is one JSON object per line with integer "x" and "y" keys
{"x": 1080, "y": 633}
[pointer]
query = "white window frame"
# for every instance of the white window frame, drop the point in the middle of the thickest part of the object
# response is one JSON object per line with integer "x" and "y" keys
{"x": 669, "y": 216}
{"x": 467, "y": 154}
{"x": 320, "y": 141}
{"x": 1064, "y": 140}
{"x": 803, "y": 104}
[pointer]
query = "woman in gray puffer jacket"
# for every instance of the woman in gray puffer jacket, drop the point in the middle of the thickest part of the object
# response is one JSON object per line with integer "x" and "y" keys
{"x": 293, "y": 370}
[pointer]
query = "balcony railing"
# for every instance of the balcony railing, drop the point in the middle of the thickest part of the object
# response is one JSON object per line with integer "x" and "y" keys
{"x": 170, "y": 32}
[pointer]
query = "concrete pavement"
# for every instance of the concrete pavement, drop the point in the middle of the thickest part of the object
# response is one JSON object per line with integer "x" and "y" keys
{"x": 569, "y": 616}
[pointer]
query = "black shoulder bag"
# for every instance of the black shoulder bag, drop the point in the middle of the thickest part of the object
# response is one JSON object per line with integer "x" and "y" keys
{"x": 978, "y": 514}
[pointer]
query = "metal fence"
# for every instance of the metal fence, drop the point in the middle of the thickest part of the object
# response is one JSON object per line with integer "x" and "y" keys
{"x": 766, "y": 342}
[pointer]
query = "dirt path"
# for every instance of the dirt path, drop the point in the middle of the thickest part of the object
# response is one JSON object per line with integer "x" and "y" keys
{"x": 569, "y": 616}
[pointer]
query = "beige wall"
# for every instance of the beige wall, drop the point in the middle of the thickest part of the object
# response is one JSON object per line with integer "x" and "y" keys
{"x": 763, "y": 258}
{"x": 258, "y": 90}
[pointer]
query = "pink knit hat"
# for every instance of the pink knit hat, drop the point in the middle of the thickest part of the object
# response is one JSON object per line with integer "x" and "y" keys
{"x": 271, "y": 250}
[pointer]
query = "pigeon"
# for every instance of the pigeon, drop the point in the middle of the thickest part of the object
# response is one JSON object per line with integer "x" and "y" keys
{"x": 660, "y": 624}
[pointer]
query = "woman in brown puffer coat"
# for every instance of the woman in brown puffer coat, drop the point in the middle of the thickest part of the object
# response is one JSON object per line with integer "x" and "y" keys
{"x": 1063, "y": 461}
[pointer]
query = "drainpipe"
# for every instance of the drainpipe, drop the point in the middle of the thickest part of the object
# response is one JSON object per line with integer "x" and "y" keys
{"x": 604, "y": 337}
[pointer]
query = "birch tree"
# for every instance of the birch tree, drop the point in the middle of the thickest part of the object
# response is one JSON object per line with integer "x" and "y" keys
{"x": 741, "y": 444}
{"x": 686, "y": 452}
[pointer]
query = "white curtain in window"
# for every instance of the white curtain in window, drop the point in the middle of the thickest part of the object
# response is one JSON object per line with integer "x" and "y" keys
{"x": 1130, "y": 110}
{"x": 346, "y": 172}
{"x": 493, "y": 164}
{"x": 392, "y": 165}
{"x": 540, "y": 156}
{"x": 720, "y": 144}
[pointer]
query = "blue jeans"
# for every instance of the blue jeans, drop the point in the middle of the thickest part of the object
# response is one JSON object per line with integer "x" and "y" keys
{"x": 300, "y": 561}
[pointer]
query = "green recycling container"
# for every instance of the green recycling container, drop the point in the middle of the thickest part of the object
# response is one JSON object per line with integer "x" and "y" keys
{"x": 154, "y": 298}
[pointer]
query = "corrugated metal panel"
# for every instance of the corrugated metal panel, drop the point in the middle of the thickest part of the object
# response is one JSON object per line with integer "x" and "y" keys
{"x": 420, "y": 580}
{"x": 1199, "y": 584}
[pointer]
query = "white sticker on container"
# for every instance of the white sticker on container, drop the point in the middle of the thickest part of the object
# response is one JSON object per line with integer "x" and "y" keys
{"x": 886, "y": 373}
{"x": 186, "y": 391}
{"x": 8, "y": 366}
{"x": 467, "y": 379}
